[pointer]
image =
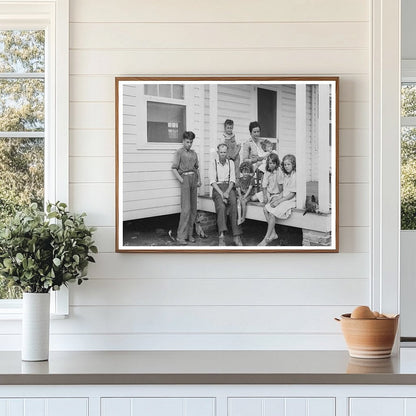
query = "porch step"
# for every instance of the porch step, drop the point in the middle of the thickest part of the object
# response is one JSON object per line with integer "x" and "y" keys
{"x": 309, "y": 221}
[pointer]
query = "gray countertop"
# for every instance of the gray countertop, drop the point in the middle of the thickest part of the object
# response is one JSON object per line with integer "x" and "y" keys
{"x": 207, "y": 367}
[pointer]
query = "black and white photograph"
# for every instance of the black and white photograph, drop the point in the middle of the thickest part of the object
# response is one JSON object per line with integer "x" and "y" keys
{"x": 226, "y": 164}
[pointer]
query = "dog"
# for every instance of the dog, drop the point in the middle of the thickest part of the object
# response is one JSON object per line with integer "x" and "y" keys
{"x": 198, "y": 230}
{"x": 311, "y": 205}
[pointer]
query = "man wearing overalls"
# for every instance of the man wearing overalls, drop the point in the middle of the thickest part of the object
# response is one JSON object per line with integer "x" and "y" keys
{"x": 222, "y": 181}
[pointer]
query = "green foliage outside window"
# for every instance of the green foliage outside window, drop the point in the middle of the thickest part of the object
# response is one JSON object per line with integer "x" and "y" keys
{"x": 21, "y": 110}
{"x": 408, "y": 160}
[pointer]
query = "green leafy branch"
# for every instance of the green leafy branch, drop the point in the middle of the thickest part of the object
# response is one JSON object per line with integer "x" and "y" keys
{"x": 42, "y": 251}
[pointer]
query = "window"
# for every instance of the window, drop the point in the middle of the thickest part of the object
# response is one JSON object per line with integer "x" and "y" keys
{"x": 165, "y": 112}
{"x": 33, "y": 112}
{"x": 408, "y": 156}
{"x": 22, "y": 124}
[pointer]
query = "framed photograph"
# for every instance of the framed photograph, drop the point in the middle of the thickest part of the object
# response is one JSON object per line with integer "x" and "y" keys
{"x": 226, "y": 164}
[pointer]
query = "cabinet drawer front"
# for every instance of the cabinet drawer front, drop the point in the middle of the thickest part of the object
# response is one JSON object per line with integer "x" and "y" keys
{"x": 281, "y": 406}
{"x": 160, "y": 406}
{"x": 44, "y": 407}
{"x": 378, "y": 406}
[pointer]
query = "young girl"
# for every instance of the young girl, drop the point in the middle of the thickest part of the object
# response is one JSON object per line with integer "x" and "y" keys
{"x": 280, "y": 206}
{"x": 245, "y": 188}
{"x": 267, "y": 147}
{"x": 272, "y": 182}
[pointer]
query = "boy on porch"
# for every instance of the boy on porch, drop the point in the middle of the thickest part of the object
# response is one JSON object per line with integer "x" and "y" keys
{"x": 186, "y": 170}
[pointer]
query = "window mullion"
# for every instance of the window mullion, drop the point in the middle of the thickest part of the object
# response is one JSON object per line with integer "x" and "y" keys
{"x": 22, "y": 134}
{"x": 22, "y": 75}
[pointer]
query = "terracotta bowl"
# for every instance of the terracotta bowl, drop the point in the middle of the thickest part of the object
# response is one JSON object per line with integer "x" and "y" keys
{"x": 369, "y": 338}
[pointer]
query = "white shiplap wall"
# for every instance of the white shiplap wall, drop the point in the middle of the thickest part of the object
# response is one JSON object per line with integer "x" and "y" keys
{"x": 174, "y": 301}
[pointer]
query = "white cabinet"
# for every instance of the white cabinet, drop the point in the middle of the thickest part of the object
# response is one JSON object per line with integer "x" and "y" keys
{"x": 160, "y": 406}
{"x": 382, "y": 406}
{"x": 208, "y": 400}
{"x": 271, "y": 406}
{"x": 44, "y": 407}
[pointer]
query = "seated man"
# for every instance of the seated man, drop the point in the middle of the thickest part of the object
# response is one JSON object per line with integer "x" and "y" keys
{"x": 222, "y": 181}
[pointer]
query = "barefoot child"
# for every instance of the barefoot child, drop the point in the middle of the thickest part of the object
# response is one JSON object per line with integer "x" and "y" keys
{"x": 245, "y": 188}
{"x": 272, "y": 183}
{"x": 281, "y": 205}
{"x": 233, "y": 152}
{"x": 186, "y": 170}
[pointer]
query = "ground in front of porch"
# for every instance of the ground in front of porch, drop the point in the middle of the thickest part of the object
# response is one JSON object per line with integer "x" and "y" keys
{"x": 161, "y": 231}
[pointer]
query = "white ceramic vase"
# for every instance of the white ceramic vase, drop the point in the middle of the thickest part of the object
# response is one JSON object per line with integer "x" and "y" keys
{"x": 35, "y": 326}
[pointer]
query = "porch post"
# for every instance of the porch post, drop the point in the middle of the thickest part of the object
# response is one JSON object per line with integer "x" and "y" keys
{"x": 323, "y": 149}
{"x": 213, "y": 115}
{"x": 300, "y": 145}
{"x": 201, "y": 142}
{"x": 213, "y": 124}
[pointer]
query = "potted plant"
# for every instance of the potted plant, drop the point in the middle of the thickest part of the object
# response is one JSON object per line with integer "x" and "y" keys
{"x": 40, "y": 252}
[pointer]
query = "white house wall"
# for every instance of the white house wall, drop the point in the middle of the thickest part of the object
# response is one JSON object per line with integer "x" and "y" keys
{"x": 287, "y": 120}
{"x": 180, "y": 301}
{"x": 150, "y": 189}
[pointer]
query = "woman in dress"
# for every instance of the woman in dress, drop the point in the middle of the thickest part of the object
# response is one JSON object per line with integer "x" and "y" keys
{"x": 253, "y": 152}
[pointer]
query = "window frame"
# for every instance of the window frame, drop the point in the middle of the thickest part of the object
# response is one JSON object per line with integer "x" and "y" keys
{"x": 53, "y": 17}
{"x": 143, "y": 99}
{"x": 408, "y": 76}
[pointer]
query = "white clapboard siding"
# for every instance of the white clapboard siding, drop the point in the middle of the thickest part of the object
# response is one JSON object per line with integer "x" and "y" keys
{"x": 168, "y": 341}
{"x": 214, "y": 11}
{"x": 352, "y": 209}
{"x": 91, "y": 169}
{"x": 92, "y": 143}
{"x": 353, "y": 87}
{"x": 146, "y": 170}
{"x": 355, "y": 266}
{"x": 211, "y": 301}
{"x": 220, "y": 291}
{"x": 148, "y": 210}
{"x": 147, "y": 176}
{"x": 222, "y": 35}
{"x": 354, "y": 169}
{"x": 160, "y": 201}
{"x": 287, "y": 119}
{"x": 243, "y": 62}
{"x": 234, "y": 102}
{"x": 150, "y": 185}
{"x": 200, "y": 320}
{"x": 353, "y": 142}
{"x": 92, "y": 198}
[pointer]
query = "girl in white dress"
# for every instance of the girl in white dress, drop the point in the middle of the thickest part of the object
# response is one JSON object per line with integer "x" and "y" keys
{"x": 281, "y": 205}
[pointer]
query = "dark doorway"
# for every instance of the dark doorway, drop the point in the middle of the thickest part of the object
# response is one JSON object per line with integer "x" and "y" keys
{"x": 267, "y": 111}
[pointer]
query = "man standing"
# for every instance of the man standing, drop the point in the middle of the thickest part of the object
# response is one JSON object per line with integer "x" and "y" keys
{"x": 222, "y": 181}
{"x": 186, "y": 170}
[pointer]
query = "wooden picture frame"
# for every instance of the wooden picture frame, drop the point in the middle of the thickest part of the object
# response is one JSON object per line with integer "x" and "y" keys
{"x": 297, "y": 115}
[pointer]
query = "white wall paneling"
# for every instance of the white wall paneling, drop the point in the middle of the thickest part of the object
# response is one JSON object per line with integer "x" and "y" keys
{"x": 196, "y": 61}
{"x": 181, "y": 301}
{"x": 185, "y": 11}
{"x": 222, "y": 35}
